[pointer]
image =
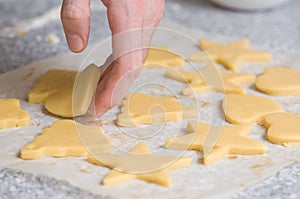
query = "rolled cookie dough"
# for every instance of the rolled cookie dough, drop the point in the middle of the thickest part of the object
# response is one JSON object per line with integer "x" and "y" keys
{"x": 231, "y": 81}
{"x": 247, "y": 109}
{"x": 230, "y": 140}
{"x": 139, "y": 164}
{"x": 12, "y": 115}
{"x": 283, "y": 128}
{"x": 279, "y": 81}
{"x": 231, "y": 55}
{"x": 66, "y": 138}
{"x": 158, "y": 57}
{"x": 138, "y": 108}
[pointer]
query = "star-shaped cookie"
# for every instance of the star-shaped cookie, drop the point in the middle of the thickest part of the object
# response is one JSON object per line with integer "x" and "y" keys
{"x": 230, "y": 55}
{"x": 158, "y": 57}
{"x": 283, "y": 128}
{"x": 279, "y": 81}
{"x": 12, "y": 115}
{"x": 247, "y": 109}
{"x": 230, "y": 140}
{"x": 67, "y": 138}
{"x": 231, "y": 81}
{"x": 139, "y": 164}
{"x": 138, "y": 108}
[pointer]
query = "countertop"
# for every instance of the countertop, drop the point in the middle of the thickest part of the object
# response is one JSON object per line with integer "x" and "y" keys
{"x": 30, "y": 30}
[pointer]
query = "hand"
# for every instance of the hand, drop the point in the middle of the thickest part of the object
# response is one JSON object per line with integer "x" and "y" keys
{"x": 132, "y": 23}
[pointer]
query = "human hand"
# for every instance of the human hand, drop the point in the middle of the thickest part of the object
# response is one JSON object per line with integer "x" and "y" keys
{"x": 132, "y": 23}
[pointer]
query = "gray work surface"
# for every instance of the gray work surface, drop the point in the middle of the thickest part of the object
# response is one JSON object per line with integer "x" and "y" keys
{"x": 277, "y": 29}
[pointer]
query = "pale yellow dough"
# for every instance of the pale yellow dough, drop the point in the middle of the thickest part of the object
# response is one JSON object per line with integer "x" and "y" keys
{"x": 226, "y": 140}
{"x": 279, "y": 81}
{"x": 247, "y": 109}
{"x": 67, "y": 138}
{"x": 12, "y": 115}
{"x": 283, "y": 128}
{"x": 158, "y": 57}
{"x": 139, "y": 164}
{"x": 138, "y": 108}
{"x": 66, "y": 93}
{"x": 231, "y": 81}
{"x": 230, "y": 55}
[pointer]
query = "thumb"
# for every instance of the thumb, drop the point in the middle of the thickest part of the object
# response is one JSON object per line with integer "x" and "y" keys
{"x": 75, "y": 17}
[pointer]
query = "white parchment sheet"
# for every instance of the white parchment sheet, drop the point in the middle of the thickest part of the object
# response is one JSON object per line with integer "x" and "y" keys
{"x": 219, "y": 180}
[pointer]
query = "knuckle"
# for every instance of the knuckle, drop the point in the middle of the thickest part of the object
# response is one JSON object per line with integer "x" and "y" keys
{"x": 73, "y": 11}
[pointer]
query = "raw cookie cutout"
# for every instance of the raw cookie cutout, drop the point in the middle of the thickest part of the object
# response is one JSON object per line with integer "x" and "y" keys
{"x": 138, "y": 108}
{"x": 247, "y": 109}
{"x": 230, "y": 55}
{"x": 62, "y": 139}
{"x": 279, "y": 81}
{"x": 231, "y": 140}
{"x": 231, "y": 81}
{"x": 140, "y": 164}
{"x": 12, "y": 115}
{"x": 159, "y": 57}
{"x": 283, "y": 128}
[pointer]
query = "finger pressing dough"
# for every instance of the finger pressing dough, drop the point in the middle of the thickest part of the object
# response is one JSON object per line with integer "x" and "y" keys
{"x": 231, "y": 55}
{"x": 139, "y": 164}
{"x": 12, "y": 115}
{"x": 162, "y": 56}
{"x": 283, "y": 128}
{"x": 279, "y": 81}
{"x": 66, "y": 138}
{"x": 231, "y": 81}
{"x": 246, "y": 109}
{"x": 66, "y": 93}
{"x": 138, "y": 108}
{"x": 230, "y": 140}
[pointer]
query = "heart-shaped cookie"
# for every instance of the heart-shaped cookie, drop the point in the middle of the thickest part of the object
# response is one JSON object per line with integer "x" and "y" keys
{"x": 247, "y": 109}
{"x": 279, "y": 81}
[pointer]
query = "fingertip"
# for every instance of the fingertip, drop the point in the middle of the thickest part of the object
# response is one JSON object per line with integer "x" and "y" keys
{"x": 75, "y": 42}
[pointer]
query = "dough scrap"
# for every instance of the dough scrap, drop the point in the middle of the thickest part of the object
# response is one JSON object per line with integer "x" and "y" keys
{"x": 279, "y": 81}
{"x": 283, "y": 128}
{"x": 12, "y": 115}
{"x": 66, "y": 93}
{"x": 139, "y": 164}
{"x": 230, "y": 55}
{"x": 158, "y": 57}
{"x": 62, "y": 139}
{"x": 231, "y": 140}
{"x": 246, "y": 109}
{"x": 138, "y": 108}
{"x": 231, "y": 82}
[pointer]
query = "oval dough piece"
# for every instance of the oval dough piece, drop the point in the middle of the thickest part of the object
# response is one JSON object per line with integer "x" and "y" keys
{"x": 247, "y": 109}
{"x": 279, "y": 81}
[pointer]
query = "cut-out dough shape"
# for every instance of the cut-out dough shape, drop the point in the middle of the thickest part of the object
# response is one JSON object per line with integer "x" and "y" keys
{"x": 12, "y": 115}
{"x": 231, "y": 140}
{"x": 56, "y": 87}
{"x": 246, "y": 109}
{"x": 138, "y": 108}
{"x": 279, "y": 81}
{"x": 134, "y": 166}
{"x": 230, "y": 55}
{"x": 231, "y": 82}
{"x": 283, "y": 128}
{"x": 62, "y": 139}
{"x": 158, "y": 57}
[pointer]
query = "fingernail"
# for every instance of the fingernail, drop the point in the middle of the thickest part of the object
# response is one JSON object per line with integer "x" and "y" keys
{"x": 75, "y": 42}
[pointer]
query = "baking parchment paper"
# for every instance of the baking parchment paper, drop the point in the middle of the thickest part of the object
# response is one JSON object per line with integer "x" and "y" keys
{"x": 219, "y": 180}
